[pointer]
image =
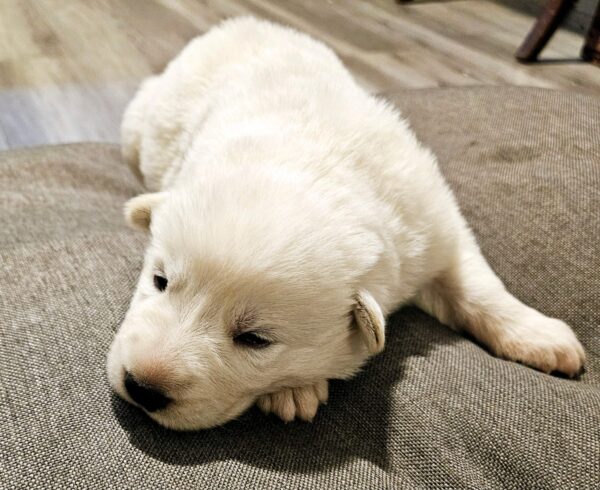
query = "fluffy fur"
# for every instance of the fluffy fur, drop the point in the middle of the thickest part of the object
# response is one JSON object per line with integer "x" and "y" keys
{"x": 287, "y": 201}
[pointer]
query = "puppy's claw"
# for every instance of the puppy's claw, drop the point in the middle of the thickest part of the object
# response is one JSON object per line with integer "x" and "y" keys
{"x": 291, "y": 403}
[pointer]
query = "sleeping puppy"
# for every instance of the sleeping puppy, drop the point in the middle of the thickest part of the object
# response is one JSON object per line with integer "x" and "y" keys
{"x": 289, "y": 212}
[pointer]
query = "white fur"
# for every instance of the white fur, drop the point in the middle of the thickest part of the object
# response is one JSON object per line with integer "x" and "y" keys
{"x": 290, "y": 195}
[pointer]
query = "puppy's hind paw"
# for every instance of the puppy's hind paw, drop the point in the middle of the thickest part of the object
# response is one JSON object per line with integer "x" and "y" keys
{"x": 543, "y": 343}
{"x": 291, "y": 403}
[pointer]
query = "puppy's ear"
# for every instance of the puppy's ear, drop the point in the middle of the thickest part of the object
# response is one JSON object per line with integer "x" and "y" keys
{"x": 138, "y": 210}
{"x": 370, "y": 321}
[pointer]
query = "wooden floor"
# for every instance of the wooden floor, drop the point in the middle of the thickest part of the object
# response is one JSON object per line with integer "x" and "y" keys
{"x": 68, "y": 68}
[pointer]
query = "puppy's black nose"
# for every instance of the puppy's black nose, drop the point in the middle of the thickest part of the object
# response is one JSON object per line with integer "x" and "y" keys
{"x": 149, "y": 397}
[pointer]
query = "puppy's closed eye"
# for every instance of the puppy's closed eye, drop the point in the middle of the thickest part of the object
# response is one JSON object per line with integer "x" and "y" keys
{"x": 252, "y": 340}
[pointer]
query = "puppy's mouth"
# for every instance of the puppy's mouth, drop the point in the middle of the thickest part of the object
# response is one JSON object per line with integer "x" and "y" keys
{"x": 184, "y": 418}
{"x": 163, "y": 408}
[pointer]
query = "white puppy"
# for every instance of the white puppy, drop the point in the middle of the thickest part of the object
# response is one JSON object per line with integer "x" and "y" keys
{"x": 289, "y": 213}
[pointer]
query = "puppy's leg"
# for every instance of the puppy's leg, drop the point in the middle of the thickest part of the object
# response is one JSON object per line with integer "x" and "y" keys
{"x": 469, "y": 296}
{"x": 300, "y": 402}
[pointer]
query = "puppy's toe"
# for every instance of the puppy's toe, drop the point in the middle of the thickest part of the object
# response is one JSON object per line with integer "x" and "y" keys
{"x": 282, "y": 405}
{"x": 264, "y": 403}
{"x": 322, "y": 391}
{"x": 306, "y": 402}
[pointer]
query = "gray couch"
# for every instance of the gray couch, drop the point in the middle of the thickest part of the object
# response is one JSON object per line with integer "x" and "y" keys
{"x": 434, "y": 410}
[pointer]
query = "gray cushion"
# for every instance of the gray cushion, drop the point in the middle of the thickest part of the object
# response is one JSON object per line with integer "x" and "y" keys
{"x": 434, "y": 410}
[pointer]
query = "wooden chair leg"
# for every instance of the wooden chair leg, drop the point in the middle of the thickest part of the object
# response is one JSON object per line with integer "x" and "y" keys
{"x": 545, "y": 25}
{"x": 591, "y": 48}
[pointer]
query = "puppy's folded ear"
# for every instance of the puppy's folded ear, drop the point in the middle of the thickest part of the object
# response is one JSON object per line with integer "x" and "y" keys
{"x": 370, "y": 321}
{"x": 138, "y": 210}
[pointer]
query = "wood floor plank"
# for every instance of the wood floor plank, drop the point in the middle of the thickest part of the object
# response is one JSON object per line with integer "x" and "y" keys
{"x": 16, "y": 37}
{"x": 144, "y": 20}
{"x": 99, "y": 48}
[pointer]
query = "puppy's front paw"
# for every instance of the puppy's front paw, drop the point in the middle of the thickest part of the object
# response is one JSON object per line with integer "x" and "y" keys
{"x": 544, "y": 343}
{"x": 300, "y": 402}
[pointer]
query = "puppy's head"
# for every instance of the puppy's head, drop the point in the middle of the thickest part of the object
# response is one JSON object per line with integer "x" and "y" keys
{"x": 242, "y": 297}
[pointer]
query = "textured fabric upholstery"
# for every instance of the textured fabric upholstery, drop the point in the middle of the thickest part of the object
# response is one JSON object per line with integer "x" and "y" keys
{"x": 434, "y": 410}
